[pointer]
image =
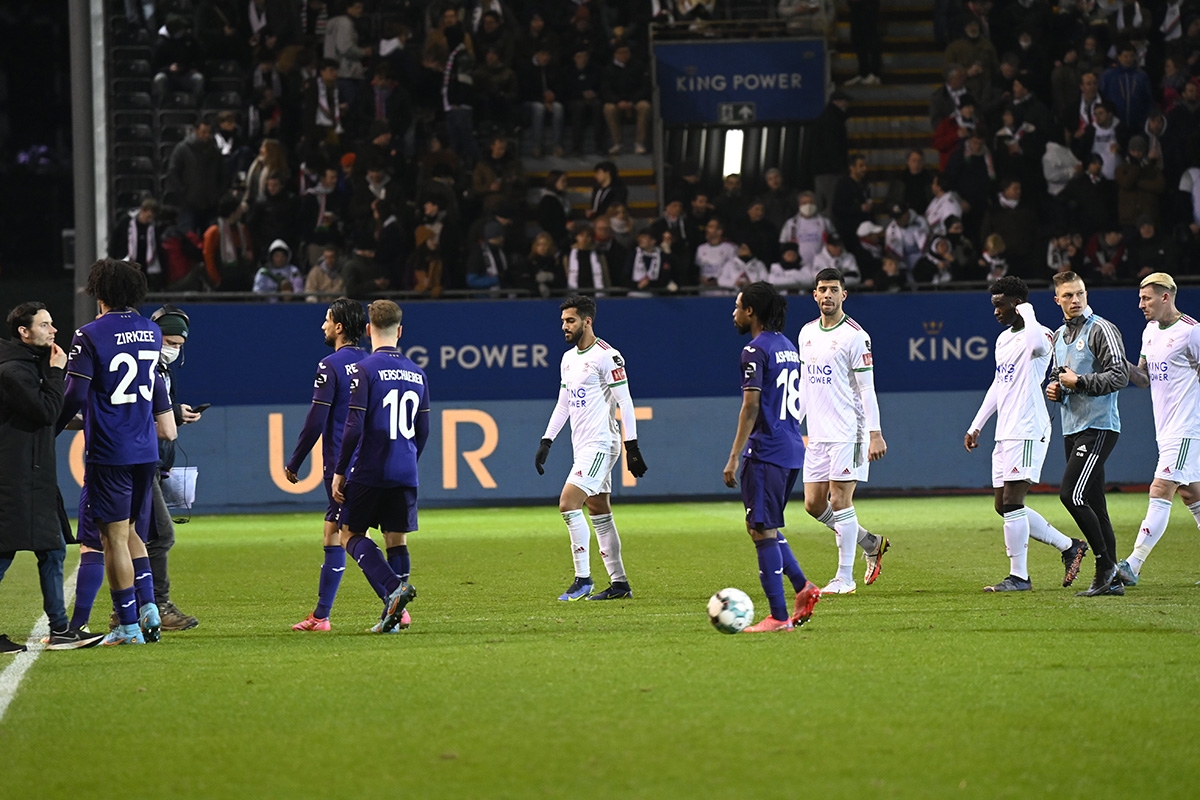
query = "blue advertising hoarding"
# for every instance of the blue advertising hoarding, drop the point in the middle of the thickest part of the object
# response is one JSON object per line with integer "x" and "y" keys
{"x": 739, "y": 82}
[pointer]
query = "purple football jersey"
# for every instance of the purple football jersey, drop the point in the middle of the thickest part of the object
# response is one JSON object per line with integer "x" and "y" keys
{"x": 332, "y": 388}
{"x": 771, "y": 365}
{"x": 388, "y": 394}
{"x": 117, "y": 354}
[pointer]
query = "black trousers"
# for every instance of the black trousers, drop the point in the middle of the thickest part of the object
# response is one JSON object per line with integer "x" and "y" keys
{"x": 864, "y": 35}
{"x": 1082, "y": 490}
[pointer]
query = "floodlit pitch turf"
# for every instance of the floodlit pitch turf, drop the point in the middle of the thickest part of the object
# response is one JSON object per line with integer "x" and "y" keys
{"x": 919, "y": 686}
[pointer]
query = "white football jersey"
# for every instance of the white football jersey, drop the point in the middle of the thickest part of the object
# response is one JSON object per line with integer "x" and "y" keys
{"x": 589, "y": 378}
{"x": 1172, "y": 357}
{"x": 1022, "y": 358}
{"x": 831, "y": 359}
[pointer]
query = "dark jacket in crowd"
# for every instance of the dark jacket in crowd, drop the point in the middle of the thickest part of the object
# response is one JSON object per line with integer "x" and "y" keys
{"x": 31, "y": 397}
{"x": 828, "y": 142}
{"x": 194, "y": 174}
{"x": 627, "y": 83}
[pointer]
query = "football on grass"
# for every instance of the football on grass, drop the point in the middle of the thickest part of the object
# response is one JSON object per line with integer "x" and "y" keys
{"x": 730, "y": 610}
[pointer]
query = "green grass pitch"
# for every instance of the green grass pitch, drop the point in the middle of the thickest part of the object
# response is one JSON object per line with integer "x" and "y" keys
{"x": 919, "y": 686}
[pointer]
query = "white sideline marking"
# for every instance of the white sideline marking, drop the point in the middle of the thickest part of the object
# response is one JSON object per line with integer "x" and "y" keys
{"x": 11, "y": 677}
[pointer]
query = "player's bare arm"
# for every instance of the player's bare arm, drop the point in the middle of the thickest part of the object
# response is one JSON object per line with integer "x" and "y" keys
{"x": 751, "y": 402}
{"x": 1138, "y": 374}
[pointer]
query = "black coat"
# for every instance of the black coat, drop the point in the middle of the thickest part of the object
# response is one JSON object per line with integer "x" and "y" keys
{"x": 828, "y": 143}
{"x": 31, "y": 397}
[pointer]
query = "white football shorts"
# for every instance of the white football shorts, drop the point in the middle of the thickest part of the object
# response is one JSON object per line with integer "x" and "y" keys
{"x": 1178, "y": 461}
{"x": 1018, "y": 460}
{"x": 592, "y": 470}
{"x": 835, "y": 461}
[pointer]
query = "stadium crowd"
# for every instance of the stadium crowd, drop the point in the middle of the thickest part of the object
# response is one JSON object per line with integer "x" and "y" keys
{"x": 379, "y": 149}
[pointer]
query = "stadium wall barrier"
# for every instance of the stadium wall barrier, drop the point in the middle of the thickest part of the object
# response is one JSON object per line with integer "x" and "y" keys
{"x": 493, "y": 371}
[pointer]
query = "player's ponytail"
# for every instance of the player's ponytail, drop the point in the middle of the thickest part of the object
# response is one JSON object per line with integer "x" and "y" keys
{"x": 769, "y": 306}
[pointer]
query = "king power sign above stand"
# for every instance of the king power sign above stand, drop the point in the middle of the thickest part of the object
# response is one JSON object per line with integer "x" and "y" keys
{"x": 738, "y": 82}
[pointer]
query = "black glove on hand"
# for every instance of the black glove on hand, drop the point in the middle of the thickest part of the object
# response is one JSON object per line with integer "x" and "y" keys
{"x": 542, "y": 453}
{"x": 634, "y": 460}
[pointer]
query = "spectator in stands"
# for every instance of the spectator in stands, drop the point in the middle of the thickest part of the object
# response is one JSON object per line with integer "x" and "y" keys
{"x": 378, "y": 148}
{"x": 954, "y": 130}
{"x": 971, "y": 173}
{"x": 1067, "y": 93}
{"x": 540, "y": 81}
{"x": 1127, "y": 87}
{"x": 1105, "y": 258}
{"x": 786, "y": 272}
{"x": 321, "y": 212}
{"x": 614, "y": 254}
{"x": 944, "y": 205}
{"x": 608, "y": 189}
{"x": 674, "y": 223}
{"x": 936, "y": 265}
{"x": 273, "y": 217}
{"x": 743, "y": 269}
{"x": 228, "y": 252}
{"x": 278, "y": 274}
{"x": 490, "y": 33}
{"x": 342, "y": 47}
{"x": 387, "y": 102}
{"x": 1152, "y": 251}
{"x": 626, "y": 95}
{"x": 807, "y": 230}
{"x": 868, "y": 47}
{"x": 906, "y": 235}
{"x": 375, "y": 184}
{"x": 177, "y": 60}
{"x": 1089, "y": 200}
{"x": 425, "y": 265}
{"x": 499, "y": 176}
{"x": 1059, "y": 165}
{"x": 999, "y": 95}
{"x": 193, "y": 179}
{"x": 851, "y": 200}
{"x": 835, "y": 255}
{"x": 1017, "y": 224}
{"x": 1167, "y": 148}
{"x": 274, "y": 27}
{"x": 217, "y": 30}
{"x": 554, "y": 208}
{"x": 265, "y": 75}
{"x": 1140, "y": 185}
{"x": 827, "y": 152}
{"x": 711, "y": 256}
{"x": 1106, "y": 137}
{"x": 962, "y": 250}
{"x": 393, "y": 238}
{"x": 546, "y": 264}
{"x": 270, "y": 161}
{"x": 756, "y": 230}
{"x": 869, "y": 252}
{"x": 1184, "y": 116}
{"x": 1033, "y": 67}
{"x": 458, "y": 90}
{"x": 911, "y": 187}
{"x": 364, "y": 280}
{"x": 497, "y": 93}
{"x": 324, "y": 107}
{"x": 650, "y": 267}
{"x": 1031, "y": 115}
{"x": 946, "y": 98}
{"x": 730, "y": 204}
{"x": 581, "y": 95}
{"x": 325, "y": 276}
{"x": 993, "y": 262}
{"x": 538, "y": 36}
{"x": 583, "y": 35}
{"x": 487, "y": 263}
{"x": 624, "y": 228}
{"x": 232, "y": 144}
{"x": 135, "y": 238}
{"x": 584, "y": 268}
{"x": 1064, "y": 252}
{"x": 978, "y": 55}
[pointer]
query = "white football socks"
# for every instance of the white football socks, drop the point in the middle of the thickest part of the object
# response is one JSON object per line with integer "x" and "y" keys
{"x": 1045, "y": 532}
{"x": 1195, "y": 509}
{"x": 868, "y": 541}
{"x": 577, "y": 527}
{"x": 610, "y": 546}
{"x": 845, "y": 529}
{"x": 1016, "y": 541}
{"x": 1153, "y": 526}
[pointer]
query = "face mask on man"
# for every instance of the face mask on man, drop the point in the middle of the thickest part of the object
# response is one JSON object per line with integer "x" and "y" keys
{"x": 808, "y": 209}
{"x": 169, "y": 354}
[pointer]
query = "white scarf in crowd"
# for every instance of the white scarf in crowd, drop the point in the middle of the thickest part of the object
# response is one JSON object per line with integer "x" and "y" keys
{"x": 648, "y": 265}
{"x": 1172, "y": 27}
{"x": 229, "y": 248}
{"x": 258, "y": 19}
{"x": 322, "y": 194}
{"x": 1137, "y": 17}
{"x": 329, "y": 113}
{"x": 573, "y": 265}
{"x": 1009, "y": 204}
{"x": 152, "y": 266}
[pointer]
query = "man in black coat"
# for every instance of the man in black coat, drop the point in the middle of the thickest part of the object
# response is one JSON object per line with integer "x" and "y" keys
{"x": 828, "y": 148}
{"x": 32, "y": 371}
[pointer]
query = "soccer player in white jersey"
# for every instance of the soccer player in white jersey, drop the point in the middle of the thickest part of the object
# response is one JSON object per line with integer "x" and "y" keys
{"x": 594, "y": 386}
{"x": 837, "y": 373}
{"x": 1023, "y": 351}
{"x": 1170, "y": 359}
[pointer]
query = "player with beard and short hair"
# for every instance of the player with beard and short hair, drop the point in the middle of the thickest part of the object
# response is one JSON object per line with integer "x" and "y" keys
{"x": 376, "y": 479}
{"x": 111, "y": 371}
{"x": 770, "y": 448}
{"x": 837, "y": 369}
{"x": 1168, "y": 365}
{"x": 593, "y": 387}
{"x": 1023, "y": 351}
{"x": 343, "y": 327}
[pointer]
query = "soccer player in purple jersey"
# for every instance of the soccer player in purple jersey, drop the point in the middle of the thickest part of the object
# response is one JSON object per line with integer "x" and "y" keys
{"x": 376, "y": 475}
{"x": 110, "y": 374}
{"x": 771, "y": 450}
{"x": 343, "y": 327}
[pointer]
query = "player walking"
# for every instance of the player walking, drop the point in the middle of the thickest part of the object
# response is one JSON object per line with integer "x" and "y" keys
{"x": 593, "y": 387}
{"x": 1168, "y": 364}
{"x": 111, "y": 372}
{"x": 771, "y": 450}
{"x": 375, "y": 480}
{"x": 1023, "y": 351}
{"x": 343, "y": 327}
{"x": 1089, "y": 369}
{"x": 839, "y": 387}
